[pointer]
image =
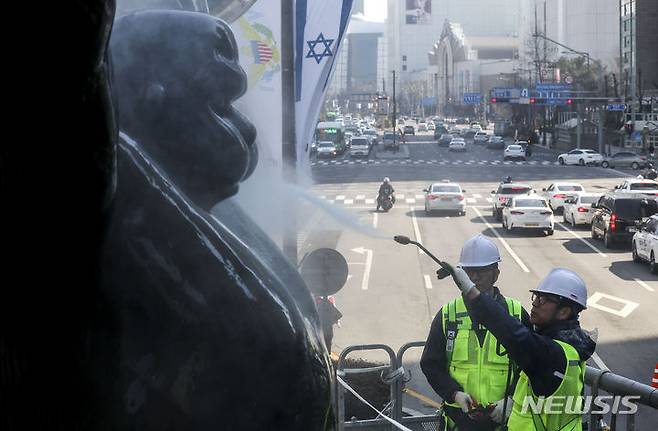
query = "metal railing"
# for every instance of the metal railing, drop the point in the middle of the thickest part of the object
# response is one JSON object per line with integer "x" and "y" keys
{"x": 393, "y": 375}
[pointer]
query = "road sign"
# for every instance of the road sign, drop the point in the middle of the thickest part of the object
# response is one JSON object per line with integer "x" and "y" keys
{"x": 525, "y": 93}
{"x": 616, "y": 107}
{"x": 472, "y": 98}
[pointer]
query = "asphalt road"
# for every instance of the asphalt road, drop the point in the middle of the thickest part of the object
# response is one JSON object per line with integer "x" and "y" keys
{"x": 392, "y": 294}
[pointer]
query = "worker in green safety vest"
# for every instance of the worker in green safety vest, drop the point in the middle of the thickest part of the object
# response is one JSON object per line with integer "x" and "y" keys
{"x": 462, "y": 360}
{"x": 551, "y": 357}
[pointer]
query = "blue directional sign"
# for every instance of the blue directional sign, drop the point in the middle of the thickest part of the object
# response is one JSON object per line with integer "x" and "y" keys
{"x": 472, "y": 98}
{"x": 503, "y": 93}
{"x": 552, "y": 94}
{"x": 616, "y": 107}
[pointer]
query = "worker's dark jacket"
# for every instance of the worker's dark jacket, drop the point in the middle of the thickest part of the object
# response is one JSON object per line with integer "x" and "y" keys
{"x": 434, "y": 362}
{"x": 534, "y": 351}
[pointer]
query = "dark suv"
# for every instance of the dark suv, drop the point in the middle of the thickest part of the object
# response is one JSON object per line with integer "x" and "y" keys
{"x": 616, "y": 214}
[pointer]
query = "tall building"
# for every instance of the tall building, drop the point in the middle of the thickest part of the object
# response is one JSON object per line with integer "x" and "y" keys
{"x": 361, "y": 64}
{"x": 639, "y": 34}
{"x": 588, "y": 26}
{"x": 414, "y": 26}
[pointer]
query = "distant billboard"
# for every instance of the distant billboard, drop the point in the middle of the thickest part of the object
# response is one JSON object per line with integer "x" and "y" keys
{"x": 419, "y": 11}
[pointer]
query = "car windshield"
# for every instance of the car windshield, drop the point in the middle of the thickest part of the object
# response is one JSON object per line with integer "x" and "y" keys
{"x": 529, "y": 203}
{"x": 369, "y": 132}
{"x": 590, "y": 151}
{"x": 514, "y": 147}
{"x": 628, "y": 208}
{"x": 516, "y": 190}
{"x": 325, "y": 145}
{"x": 569, "y": 188}
{"x": 445, "y": 189}
{"x": 644, "y": 186}
{"x": 589, "y": 199}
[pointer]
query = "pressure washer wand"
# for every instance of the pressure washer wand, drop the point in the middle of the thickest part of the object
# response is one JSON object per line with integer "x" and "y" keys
{"x": 445, "y": 268}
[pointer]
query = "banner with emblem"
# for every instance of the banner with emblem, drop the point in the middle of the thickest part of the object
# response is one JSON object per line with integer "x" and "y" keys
{"x": 320, "y": 26}
{"x": 258, "y": 35}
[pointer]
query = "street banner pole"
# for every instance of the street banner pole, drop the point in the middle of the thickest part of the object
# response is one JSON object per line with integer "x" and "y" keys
{"x": 289, "y": 150}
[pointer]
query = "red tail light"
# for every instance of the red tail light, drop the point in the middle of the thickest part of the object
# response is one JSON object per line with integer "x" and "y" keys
{"x": 517, "y": 212}
{"x": 545, "y": 213}
{"x": 460, "y": 197}
{"x": 559, "y": 196}
{"x": 582, "y": 210}
{"x": 613, "y": 222}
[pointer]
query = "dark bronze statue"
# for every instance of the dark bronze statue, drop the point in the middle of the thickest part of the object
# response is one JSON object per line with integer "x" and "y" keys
{"x": 215, "y": 329}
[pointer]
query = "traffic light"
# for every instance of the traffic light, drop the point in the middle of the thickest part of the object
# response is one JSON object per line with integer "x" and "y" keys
{"x": 569, "y": 102}
{"x": 494, "y": 100}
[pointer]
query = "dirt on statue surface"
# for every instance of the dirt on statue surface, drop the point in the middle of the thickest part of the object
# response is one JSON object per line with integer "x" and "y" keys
{"x": 369, "y": 386}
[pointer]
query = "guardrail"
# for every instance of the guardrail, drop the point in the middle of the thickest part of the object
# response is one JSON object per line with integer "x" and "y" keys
{"x": 393, "y": 373}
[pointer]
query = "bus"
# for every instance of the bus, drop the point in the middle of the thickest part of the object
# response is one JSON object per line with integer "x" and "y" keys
{"x": 331, "y": 131}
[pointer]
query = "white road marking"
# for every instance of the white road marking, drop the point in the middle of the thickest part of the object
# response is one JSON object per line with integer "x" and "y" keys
{"x": 598, "y": 361}
{"x": 340, "y": 198}
{"x": 366, "y": 270}
{"x": 645, "y": 285}
{"x": 428, "y": 281}
{"x": 414, "y": 222}
{"x": 582, "y": 239}
{"x": 419, "y": 196}
{"x": 410, "y": 201}
{"x": 370, "y": 201}
{"x": 477, "y": 195}
{"x": 505, "y": 244}
{"x": 360, "y": 197}
{"x": 628, "y": 306}
{"x": 348, "y": 201}
{"x": 400, "y": 197}
{"x": 375, "y": 220}
{"x": 470, "y": 200}
{"x": 490, "y": 200}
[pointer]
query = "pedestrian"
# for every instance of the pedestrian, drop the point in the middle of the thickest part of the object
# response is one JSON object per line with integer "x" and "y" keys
{"x": 551, "y": 356}
{"x": 462, "y": 361}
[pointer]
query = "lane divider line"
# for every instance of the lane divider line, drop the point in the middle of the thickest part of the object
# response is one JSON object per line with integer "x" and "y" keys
{"x": 502, "y": 240}
{"x": 428, "y": 281}
{"x": 414, "y": 222}
{"x": 645, "y": 285}
{"x": 574, "y": 234}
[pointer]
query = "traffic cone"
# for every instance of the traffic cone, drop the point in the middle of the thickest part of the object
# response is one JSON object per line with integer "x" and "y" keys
{"x": 654, "y": 381}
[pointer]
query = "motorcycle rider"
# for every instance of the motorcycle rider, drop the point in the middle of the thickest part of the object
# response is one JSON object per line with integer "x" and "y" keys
{"x": 385, "y": 190}
{"x": 650, "y": 173}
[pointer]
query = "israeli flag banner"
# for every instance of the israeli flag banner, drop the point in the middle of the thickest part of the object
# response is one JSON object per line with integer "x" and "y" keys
{"x": 320, "y": 26}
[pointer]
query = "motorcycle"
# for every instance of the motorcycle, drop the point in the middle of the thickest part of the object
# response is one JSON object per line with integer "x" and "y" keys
{"x": 386, "y": 201}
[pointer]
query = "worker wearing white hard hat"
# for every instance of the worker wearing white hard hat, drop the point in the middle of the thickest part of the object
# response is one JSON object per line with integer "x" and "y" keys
{"x": 462, "y": 361}
{"x": 551, "y": 357}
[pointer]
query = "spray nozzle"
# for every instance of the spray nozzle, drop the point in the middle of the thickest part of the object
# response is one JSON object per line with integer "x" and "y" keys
{"x": 404, "y": 240}
{"x": 443, "y": 272}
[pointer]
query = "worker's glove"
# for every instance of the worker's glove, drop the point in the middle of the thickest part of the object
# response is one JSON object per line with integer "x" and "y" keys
{"x": 464, "y": 400}
{"x": 497, "y": 413}
{"x": 460, "y": 277}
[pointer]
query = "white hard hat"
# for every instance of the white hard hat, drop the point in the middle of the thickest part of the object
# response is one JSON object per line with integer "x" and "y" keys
{"x": 479, "y": 251}
{"x": 565, "y": 283}
{"x": 387, "y": 179}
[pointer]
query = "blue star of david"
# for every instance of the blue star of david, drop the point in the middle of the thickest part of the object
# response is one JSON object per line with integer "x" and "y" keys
{"x": 327, "y": 48}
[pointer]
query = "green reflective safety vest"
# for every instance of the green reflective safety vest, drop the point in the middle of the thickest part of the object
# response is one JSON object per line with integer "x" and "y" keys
{"x": 562, "y": 411}
{"x": 481, "y": 371}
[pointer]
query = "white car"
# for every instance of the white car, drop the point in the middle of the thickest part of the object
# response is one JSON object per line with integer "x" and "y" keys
{"x": 431, "y": 126}
{"x": 514, "y": 152}
{"x": 360, "y": 146}
{"x": 505, "y": 192}
{"x": 480, "y": 138}
{"x": 326, "y": 149}
{"x": 457, "y": 144}
{"x": 528, "y": 212}
{"x": 446, "y": 197}
{"x": 580, "y": 157}
{"x": 579, "y": 210}
{"x": 645, "y": 187}
{"x": 556, "y": 193}
{"x": 645, "y": 243}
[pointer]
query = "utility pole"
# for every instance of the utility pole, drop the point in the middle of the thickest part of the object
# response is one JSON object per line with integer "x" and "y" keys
{"x": 395, "y": 119}
{"x": 289, "y": 150}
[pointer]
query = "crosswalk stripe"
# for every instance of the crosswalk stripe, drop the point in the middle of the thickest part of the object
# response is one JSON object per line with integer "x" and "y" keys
{"x": 349, "y": 201}
{"x": 477, "y": 195}
{"x": 360, "y": 197}
{"x": 340, "y": 198}
{"x": 470, "y": 200}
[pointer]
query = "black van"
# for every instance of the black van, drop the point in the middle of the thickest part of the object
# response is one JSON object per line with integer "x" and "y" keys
{"x": 616, "y": 214}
